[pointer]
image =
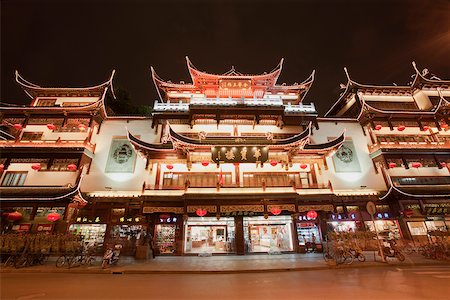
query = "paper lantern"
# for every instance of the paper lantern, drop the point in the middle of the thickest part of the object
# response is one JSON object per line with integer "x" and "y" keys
{"x": 17, "y": 126}
{"x": 273, "y": 163}
{"x": 53, "y": 217}
{"x": 170, "y": 167}
{"x": 426, "y": 127}
{"x": 2, "y": 167}
{"x": 392, "y": 165}
{"x": 14, "y": 216}
{"x": 36, "y": 167}
{"x": 82, "y": 127}
{"x": 205, "y": 163}
{"x": 401, "y": 127}
{"x": 416, "y": 164}
{"x": 275, "y": 211}
{"x": 72, "y": 167}
{"x": 201, "y": 212}
{"x": 51, "y": 126}
{"x": 303, "y": 166}
{"x": 443, "y": 164}
{"x": 444, "y": 125}
{"x": 378, "y": 127}
{"x": 312, "y": 214}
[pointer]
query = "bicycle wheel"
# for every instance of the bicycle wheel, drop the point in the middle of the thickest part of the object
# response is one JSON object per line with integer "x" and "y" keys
{"x": 89, "y": 261}
{"x": 61, "y": 261}
{"x": 20, "y": 262}
{"x": 361, "y": 257}
{"x": 348, "y": 257}
{"x": 400, "y": 256}
{"x": 327, "y": 256}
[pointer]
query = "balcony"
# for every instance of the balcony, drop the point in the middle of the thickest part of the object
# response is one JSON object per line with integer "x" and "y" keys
{"x": 49, "y": 143}
{"x": 426, "y": 185}
{"x": 408, "y": 145}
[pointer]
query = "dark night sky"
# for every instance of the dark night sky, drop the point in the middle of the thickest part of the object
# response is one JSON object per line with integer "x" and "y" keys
{"x": 78, "y": 43}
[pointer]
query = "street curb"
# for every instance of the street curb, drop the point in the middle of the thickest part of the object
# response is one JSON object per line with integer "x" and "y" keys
{"x": 119, "y": 271}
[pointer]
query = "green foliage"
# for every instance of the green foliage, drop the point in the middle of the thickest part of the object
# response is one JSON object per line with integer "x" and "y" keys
{"x": 124, "y": 106}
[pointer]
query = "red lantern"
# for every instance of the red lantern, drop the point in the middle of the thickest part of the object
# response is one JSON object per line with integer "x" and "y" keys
{"x": 303, "y": 166}
{"x": 408, "y": 213}
{"x": 444, "y": 125}
{"x": 273, "y": 163}
{"x": 170, "y": 167}
{"x": 401, "y": 127}
{"x": 72, "y": 167}
{"x": 426, "y": 127}
{"x": 311, "y": 215}
{"x": 275, "y": 211}
{"x": 201, "y": 212}
{"x": 443, "y": 164}
{"x": 17, "y": 126}
{"x": 2, "y": 167}
{"x": 36, "y": 167}
{"x": 82, "y": 127}
{"x": 205, "y": 163}
{"x": 14, "y": 216}
{"x": 51, "y": 127}
{"x": 392, "y": 165}
{"x": 52, "y": 217}
{"x": 378, "y": 127}
{"x": 416, "y": 164}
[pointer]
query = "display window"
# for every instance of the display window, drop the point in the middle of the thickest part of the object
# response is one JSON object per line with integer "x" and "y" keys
{"x": 93, "y": 234}
{"x": 273, "y": 234}
{"x": 385, "y": 227}
{"x": 436, "y": 225}
{"x": 165, "y": 238}
{"x": 128, "y": 232}
{"x": 342, "y": 226}
{"x": 209, "y": 235}
{"x": 308, "y": 232}
{"x": 417, "y": 228}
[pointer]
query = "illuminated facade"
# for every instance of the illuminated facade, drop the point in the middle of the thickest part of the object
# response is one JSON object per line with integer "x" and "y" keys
{"x": 230, "y": 163}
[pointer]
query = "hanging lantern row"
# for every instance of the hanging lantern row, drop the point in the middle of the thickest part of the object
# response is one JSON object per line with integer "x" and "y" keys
{"x": 36, "y": 166}
{"x": 53, "y": 217}
{"x": 72, "y": 167}
{"x": 201, "y": 212}
{"x": 416, "y": 164}
{"x": 14, "y": 216}
{"x": 275, "y": 211}
{"x": 312, "y": 214}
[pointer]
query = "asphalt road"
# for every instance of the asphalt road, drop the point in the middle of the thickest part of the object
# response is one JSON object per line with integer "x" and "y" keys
{"x": 432, "y": 282}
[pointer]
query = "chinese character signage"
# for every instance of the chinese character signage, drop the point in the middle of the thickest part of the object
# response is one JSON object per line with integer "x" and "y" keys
{"x": 240, "y": 154}
{"x": 235, "y": 83}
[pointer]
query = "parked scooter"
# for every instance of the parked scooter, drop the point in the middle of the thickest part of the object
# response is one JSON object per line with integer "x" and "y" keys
{"x": 111, "y": 256}
{"x": 391, "y": 249}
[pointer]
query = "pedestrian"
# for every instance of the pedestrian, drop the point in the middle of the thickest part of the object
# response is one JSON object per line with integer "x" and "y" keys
{"x": 313, "y": 242}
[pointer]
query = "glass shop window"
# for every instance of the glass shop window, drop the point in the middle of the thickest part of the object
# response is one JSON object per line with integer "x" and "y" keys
{"x": 13, "y": 178}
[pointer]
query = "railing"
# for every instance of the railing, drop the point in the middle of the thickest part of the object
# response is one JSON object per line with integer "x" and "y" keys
{"x": 300, "y": 108}
{"x": 408, "y": 145}
{"x": 425, "y": 180}
{"x": 47, "y": 143}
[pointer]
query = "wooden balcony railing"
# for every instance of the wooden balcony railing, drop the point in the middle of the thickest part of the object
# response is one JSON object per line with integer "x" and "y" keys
{"x": 49, "y": 143}
{"x": 408, "y": 145}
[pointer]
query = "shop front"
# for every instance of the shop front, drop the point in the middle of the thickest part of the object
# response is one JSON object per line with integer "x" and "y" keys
{"x": 308, "y": 232}
{"x": 167, "y": 234}
{"x": 209, "y": 235}
{"x": 271, "y": 234}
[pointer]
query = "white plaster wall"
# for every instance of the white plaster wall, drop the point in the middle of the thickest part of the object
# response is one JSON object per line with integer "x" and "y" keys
{"x": 97, "y": 179}
{"x": 48, "y": 178}
{"x": 49, "y": 135}
{"x": 351, "y": 180}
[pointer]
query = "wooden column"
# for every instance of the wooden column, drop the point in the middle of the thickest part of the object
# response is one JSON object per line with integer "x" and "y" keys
{"x": 239, "y": 235}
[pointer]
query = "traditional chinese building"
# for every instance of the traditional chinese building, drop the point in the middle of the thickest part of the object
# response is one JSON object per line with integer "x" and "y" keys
{"x": 229, "y": 163}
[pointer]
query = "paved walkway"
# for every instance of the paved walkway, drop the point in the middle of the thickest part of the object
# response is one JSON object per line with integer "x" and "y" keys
{"x": 223, "y": 264}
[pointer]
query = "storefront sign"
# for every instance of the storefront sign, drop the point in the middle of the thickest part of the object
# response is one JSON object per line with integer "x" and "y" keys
{"x": 241, "y": 208}
{"x": 45, "y": 228}
{"x": 305, "y": 208}
{"x": 437, "y": 209}
{"x": 168, "y": 219}
{"x": 208, "y": 208}
{"x": 88, "y": 220}
{"x": 21, "y": 227}
{"x": 235, "y": 83}
{"x": 239, "y": 154}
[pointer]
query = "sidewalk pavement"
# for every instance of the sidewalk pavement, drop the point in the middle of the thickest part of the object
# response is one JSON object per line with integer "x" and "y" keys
{"x": 223, "y": 264}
